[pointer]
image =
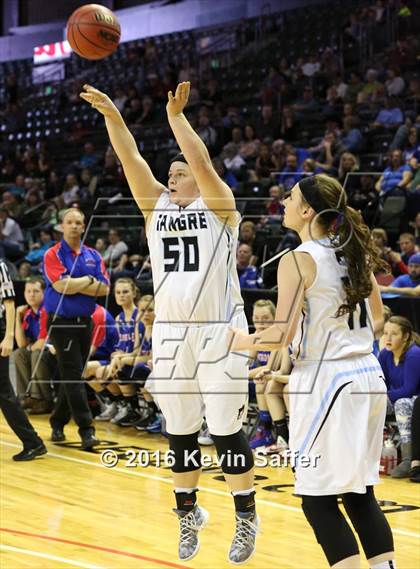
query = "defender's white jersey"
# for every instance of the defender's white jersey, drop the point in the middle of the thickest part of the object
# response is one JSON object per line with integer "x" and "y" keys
{"x": 193, "y": 258}
{"x": 321, "y": 335}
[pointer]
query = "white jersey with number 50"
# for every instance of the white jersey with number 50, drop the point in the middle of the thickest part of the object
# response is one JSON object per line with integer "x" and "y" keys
{"x": 193, "y": 258}
{"x": 321, "y": 335}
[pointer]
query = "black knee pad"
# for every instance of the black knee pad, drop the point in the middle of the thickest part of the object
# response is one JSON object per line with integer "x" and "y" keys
{"x": 330, "y": 527}
{"x": 234, "y": 453}
{"x": 186, "y": 452}
{"x": 370, "y": 522}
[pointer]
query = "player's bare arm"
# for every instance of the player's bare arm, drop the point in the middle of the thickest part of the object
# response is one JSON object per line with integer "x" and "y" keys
{"x": 376, "y": 307}
{"x": 296, "y": 272}
{"x": 216, "y": 194}
{"x": 143, "y": 185}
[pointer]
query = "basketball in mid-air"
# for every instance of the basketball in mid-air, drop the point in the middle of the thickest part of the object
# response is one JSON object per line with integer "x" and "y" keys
{"x": 93, "y": 31}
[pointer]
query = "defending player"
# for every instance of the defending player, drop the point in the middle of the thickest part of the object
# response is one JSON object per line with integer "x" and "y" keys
{"x": 330, "y": 307}
{"x": 192, "y": 230}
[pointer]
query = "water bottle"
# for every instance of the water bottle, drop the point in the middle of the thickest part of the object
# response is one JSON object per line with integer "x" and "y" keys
{"x": 389, "y": 457}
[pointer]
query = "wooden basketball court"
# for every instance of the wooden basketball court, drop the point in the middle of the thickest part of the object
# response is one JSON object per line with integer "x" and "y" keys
{"x": 68, "y": 510}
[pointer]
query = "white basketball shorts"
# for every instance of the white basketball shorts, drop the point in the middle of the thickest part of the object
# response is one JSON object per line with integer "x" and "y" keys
{"x": 337, "y": 415}
{"x": 194, "y": 375}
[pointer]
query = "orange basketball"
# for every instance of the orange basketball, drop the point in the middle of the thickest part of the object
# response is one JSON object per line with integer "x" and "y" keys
{"x": 93, "y": 31}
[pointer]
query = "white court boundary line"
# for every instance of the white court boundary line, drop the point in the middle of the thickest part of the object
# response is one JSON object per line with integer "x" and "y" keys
{"x": 135, "y": 472}
{"x": 49, "y": 556}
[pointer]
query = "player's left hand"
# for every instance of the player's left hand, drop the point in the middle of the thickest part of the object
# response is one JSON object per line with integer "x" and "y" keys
{"x": 237, "y": 340}
{"x": 177, "y": 103}
{"x": 6, "y": 347}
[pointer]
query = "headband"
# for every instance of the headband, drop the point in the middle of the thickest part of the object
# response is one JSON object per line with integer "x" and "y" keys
{"x": 310, "y": 191}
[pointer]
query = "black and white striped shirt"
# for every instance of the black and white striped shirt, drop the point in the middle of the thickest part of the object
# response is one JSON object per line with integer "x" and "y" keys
{"x": 6, "y": 286}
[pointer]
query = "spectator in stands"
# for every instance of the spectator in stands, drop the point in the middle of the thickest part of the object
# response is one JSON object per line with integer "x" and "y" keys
{"x": 11, "y": 237}
{"x": 307, "y": 105}
{"x": 250, "y": 144}
{"x": 354, "y": 88}
{"x": 120, "y": 98}
{"x": 291, "y": 174}
{"x": 148, "y": 115}
{"x": 278, "y": 154}
{"x": 396, "y": 177}
{"x": 116, "y": 249}
{"x": 407, "y": 243}
{"x": 206, "y": 131}
{"x": 362, "y": 195}
{"x": 89, "y": 158}
{"x": 248, "y": 275}
{"x": 232, "y": 160}
{"x": 248, "y": 235}
{"x": 371, "y": 88}
{"x": 416, "y": 228}
{"x": 349, "y": 164}
{"x": 70, "y": 193}
{"x": 35, "y": 367}
{"x": 407, "y": 285}
{"x": 289, "y": 126}
{"x": 394, "y": 84}
{"x": 227, "y": 175}
{"x": 11, "y": 204}
{"x": 351, "y": 138}
{"x": 412, "y": 148}
{"x": 267, "y": 126}
{"x": 274, "y": 206}
{"x": 134, "y": 111}
{"x": 326, "y": 153}
{"x": 100, "y": 245}
{"x": 264, "y": 164}
{"x": 24, "y": 272}
{"x": 18, "y": 189}
{"x": 390, "y": 116}
{"x": 400, "y": 361}
{"x": 39, "y": 247}
{"x": 87, "y": 189}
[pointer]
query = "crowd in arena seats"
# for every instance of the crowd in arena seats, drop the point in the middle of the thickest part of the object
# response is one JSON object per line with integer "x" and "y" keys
{"x": 306, "y": 97}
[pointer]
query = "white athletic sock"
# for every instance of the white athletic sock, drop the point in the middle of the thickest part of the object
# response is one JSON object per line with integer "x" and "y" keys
{"x": 186, "y": 490}
{"x": 384, "y": 565}
{"x": 243, "y": 492}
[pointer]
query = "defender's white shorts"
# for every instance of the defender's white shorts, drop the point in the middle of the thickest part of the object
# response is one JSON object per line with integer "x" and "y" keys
{"x": 194, "y": 375}
{"x": 337, "y": 411}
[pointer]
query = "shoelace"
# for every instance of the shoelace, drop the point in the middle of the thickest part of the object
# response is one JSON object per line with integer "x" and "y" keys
{"x": 188, "y": 527}
{"x": 245, "y": 532}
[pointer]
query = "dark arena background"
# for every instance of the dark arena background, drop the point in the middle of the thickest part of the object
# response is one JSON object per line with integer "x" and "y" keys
{"x": 280, "y": 90}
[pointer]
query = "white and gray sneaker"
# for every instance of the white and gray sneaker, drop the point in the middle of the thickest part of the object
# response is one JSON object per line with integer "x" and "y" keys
{"x": 190, "y": 523}
{"x": 122, "y": 412}
{"x": 204, "y": 437}
{"x": 109, "y": 411}
{"x": 243, "y": 544}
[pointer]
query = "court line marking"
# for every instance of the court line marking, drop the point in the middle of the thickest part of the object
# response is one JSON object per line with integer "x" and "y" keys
{"x": 134, "y": 472}
{"x": 49, "y": 556}
{"x": 91, "y": 546}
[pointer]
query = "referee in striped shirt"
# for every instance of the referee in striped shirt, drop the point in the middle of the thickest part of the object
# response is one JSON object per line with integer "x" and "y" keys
{"x": 9, "y": 403}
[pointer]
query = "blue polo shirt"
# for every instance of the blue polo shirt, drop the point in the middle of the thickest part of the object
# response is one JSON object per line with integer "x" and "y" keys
{"x": 60, "y": 261}
{"x": 31, "y": 323}
{"x": 405, "y": 281}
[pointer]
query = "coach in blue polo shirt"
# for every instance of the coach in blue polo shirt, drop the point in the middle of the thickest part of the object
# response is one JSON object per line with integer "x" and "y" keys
{"x": 75, "y": 275}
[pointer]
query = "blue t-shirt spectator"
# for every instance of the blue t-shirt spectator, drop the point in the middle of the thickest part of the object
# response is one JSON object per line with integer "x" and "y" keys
{"x": 390, "y": 117}
{"x": 391, "y": 177}
{"x": 405, "y": 281}
{"x": 249, "y": 277}
{"x": 402, "y": 380}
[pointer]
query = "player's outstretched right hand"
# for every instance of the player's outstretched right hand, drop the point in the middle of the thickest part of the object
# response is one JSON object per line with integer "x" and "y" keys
{"x": 100, "y": 102}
